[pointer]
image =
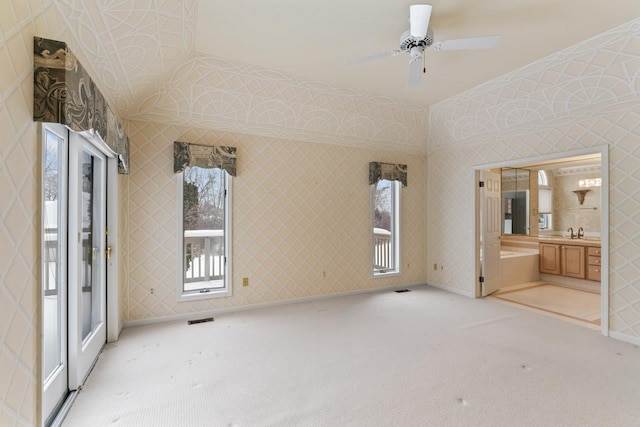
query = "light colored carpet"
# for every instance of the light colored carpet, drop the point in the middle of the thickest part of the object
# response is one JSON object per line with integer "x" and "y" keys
{"x": 421, "y": 358}
{"x": 574, "y": 303}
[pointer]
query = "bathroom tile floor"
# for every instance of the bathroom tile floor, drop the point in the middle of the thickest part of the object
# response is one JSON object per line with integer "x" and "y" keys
{"x": 576, "y": 306}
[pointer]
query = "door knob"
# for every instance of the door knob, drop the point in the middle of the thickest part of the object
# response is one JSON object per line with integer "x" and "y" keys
{"x": 109, "y": 251}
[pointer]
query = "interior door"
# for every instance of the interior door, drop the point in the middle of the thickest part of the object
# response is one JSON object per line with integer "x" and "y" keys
{"x": 87, "y": 263}
{"x": 54, "y": 268}
{"x": 490, "y": 229}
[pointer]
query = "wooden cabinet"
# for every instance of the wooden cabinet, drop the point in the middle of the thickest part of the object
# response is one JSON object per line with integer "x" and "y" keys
{"x": 594, "y": 257}
{"x": 581, "y": 262}
{"x": 572, "y": 261}
{"x": 549, "y": 258}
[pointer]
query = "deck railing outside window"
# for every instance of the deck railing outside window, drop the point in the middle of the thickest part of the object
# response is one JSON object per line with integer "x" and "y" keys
{"x": 204, "y": 255}
{"x": 382, "y": 249}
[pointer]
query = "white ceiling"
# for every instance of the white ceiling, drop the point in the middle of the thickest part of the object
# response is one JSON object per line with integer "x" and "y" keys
{"x": 313, "y": 39}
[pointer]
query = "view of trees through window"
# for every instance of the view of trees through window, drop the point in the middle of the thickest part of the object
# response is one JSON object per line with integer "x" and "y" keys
{"x": 204, "y": 202}
{"x": 203, "y": 199}
{"x": 382, "y": 210}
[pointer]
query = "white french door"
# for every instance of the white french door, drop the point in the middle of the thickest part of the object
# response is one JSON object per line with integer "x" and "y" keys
{"x": 87, "y": 248}
{"x": 54, "y": 268}
{"x": 74, "y": 273}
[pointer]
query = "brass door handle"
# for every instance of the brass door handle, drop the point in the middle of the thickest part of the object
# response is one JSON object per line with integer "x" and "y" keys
{"x": 109, "y": 251}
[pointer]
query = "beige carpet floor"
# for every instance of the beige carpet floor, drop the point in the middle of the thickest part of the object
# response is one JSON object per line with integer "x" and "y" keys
{"x": 572, "y": 303}
{"x": 421, "y": 358}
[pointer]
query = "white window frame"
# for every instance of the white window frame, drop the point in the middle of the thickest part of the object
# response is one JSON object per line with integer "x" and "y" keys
{"x": 396, "y": 234}
{"x": 227, "y": 290}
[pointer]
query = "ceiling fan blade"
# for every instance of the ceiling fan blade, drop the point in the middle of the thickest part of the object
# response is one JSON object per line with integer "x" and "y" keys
{"x": 372, "y": 58}
{"x": 484, "y": 42}
{"x": 415, "y": 70}
{"x": 419, "y": 16}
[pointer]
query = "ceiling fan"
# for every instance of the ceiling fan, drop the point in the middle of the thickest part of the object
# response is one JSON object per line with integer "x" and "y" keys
{"x": 419, "y": 37}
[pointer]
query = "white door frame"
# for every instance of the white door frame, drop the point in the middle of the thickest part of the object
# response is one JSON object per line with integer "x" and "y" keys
{"x": 603, "y": 150}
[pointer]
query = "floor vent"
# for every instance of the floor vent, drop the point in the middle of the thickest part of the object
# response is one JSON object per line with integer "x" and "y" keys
{"x": 203, "y": 320}
{"x": 399, "y": 291}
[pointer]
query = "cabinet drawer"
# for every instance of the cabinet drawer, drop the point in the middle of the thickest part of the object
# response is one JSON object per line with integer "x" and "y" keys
{"x": 594, "y": 273}
{"x": 594, "y": 251}
{"x": 594, "y": 260}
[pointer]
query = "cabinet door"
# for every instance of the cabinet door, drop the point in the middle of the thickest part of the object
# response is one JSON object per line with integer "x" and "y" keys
{"x": 573, "y": 261}
{"x": 549, "y": 258}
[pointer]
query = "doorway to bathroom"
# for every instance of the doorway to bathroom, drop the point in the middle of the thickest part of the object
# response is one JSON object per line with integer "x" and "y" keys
{"x": 541, "y": 235}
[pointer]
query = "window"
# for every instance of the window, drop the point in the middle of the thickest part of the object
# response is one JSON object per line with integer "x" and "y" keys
{"x": 545, "y": 202}
{"x": 205, "y": 245}
{"x": 385, "y": 213}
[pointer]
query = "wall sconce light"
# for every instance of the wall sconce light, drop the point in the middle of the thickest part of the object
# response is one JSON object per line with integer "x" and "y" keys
{"x": 581, "y": 194}
{"x": 593, "y": 182}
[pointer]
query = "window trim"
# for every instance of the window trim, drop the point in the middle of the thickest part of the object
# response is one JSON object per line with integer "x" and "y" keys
{"x": 396, "y": 232}
{"x": 227, "y": 291}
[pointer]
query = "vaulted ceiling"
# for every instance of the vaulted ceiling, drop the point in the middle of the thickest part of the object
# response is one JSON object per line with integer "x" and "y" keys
{"x": 293, "y": 52}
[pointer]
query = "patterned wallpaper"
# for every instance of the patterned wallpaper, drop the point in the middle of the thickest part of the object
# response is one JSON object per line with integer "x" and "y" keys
{"x": 584, "y": 96}
{"x": 214, "y": 93}
{"x": 20, "y": 21}
{"x": 19, "y": 212}
{"x": 299, "y": 209}
{"x": 147, "y": 39}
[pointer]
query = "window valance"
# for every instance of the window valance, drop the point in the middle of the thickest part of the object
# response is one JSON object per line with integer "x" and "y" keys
{"x": 63, "y": 92}
{"x": 388, "y": 171}
{"x": 204, "y": 156}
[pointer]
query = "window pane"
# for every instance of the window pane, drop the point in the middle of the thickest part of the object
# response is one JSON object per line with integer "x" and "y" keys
{"x": 204, "y": 224}
{"x": 384, "y": 220}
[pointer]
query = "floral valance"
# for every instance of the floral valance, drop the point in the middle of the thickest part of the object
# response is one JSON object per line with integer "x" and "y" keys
{"x": 388, "y": 171}
{"x": 203, "y": 156}
{"x": 63, "y": 92}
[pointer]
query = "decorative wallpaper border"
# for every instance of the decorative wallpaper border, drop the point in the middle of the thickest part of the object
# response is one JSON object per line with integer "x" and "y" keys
{"x": 595, "y": 77}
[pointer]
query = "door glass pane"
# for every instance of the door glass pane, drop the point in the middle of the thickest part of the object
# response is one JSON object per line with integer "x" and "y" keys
{"x": 53, "y": 238}
{"x": 90, "y": 226}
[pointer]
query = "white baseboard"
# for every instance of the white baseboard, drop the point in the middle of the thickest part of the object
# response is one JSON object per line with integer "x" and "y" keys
{"x": 625, "y": 338}
{"x": 452, "y": 289}
{"x": 211, "y": 313}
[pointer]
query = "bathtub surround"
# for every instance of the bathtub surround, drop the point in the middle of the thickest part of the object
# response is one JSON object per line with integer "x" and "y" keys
{"x": 518, "y": 265}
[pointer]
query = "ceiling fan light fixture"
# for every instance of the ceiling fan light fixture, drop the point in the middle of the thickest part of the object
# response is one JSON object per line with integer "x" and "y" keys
{"x": 419, "y": 16}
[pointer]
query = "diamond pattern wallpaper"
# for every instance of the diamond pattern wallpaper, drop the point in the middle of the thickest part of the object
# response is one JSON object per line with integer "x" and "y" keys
{"x": 19, "y": 213}
{"x": 585, "y": 96}
{"x": 301, "y": 220}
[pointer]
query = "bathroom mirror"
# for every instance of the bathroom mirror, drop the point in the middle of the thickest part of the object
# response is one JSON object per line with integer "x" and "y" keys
{"x": 515, "y": 201}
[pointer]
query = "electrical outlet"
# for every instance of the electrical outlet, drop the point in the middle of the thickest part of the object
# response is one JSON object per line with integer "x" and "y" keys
{"x": 435, "y": 267}
{"x": 245, "y": 281}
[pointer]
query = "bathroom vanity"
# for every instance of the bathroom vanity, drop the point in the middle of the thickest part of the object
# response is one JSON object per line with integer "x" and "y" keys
{"x": 577, "y": 258}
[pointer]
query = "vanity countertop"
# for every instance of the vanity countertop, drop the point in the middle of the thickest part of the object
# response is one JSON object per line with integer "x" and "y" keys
{"x": 589, "y": 241}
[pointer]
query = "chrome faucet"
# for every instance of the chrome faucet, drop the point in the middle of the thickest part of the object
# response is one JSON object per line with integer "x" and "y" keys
{"x": 570, "y": 229}
{"x": 580, "y": 233}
